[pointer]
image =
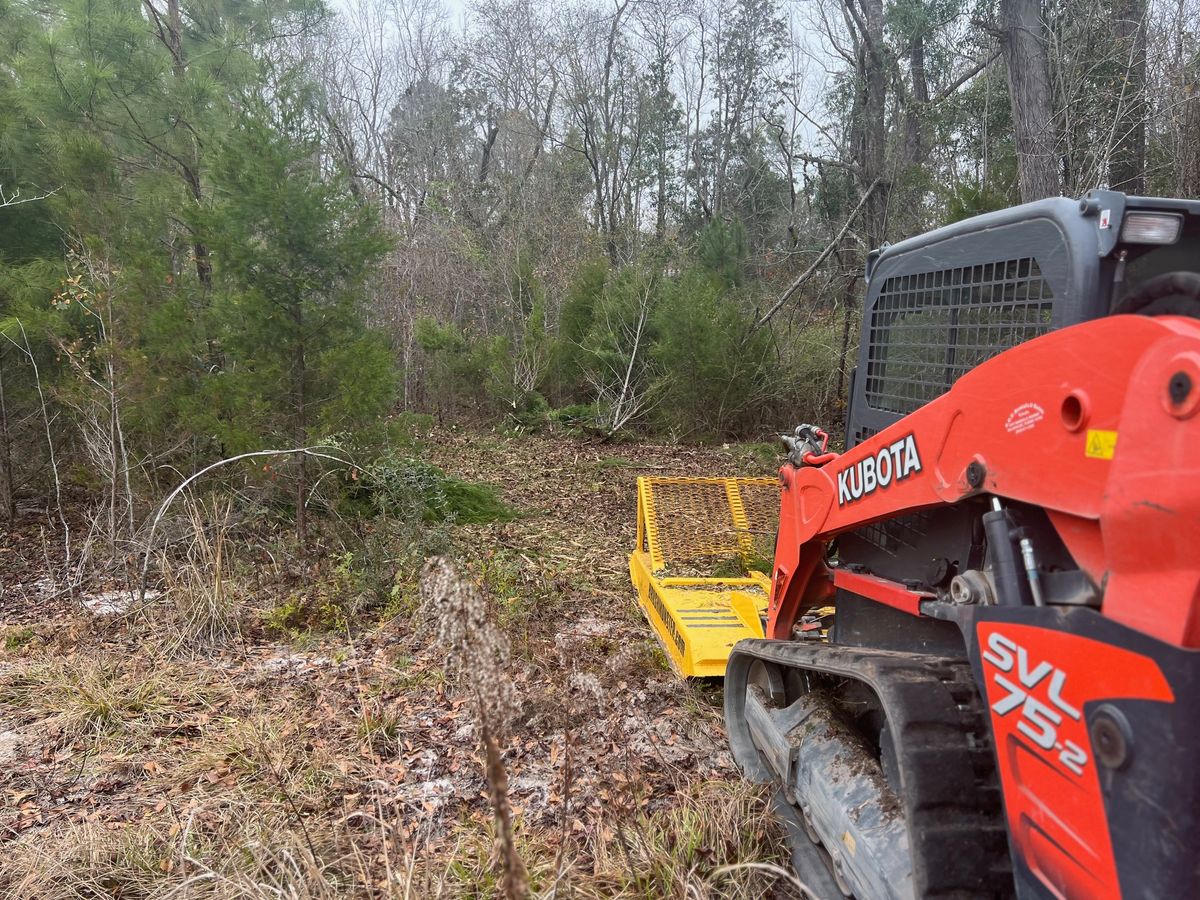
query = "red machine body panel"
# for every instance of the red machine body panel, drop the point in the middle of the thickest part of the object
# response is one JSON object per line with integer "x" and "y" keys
{"x": 1098, "y": 426}
{"x": 1037, "y": 682}
{"x": 1083, "y": 422}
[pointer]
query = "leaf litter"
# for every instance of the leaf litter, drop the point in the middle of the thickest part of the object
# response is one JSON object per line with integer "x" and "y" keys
{"x": 364, "y": 751}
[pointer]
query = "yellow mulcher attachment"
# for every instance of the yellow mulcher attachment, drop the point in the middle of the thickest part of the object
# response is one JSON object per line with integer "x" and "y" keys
{"x": 704, "y": 550}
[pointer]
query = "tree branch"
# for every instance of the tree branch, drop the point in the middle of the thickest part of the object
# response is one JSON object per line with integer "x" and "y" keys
{"x": 816, "y": 263}
{"x": 15, "y": 198}
{"x": 964, "y": 78}
{"x": 303, "y": 451}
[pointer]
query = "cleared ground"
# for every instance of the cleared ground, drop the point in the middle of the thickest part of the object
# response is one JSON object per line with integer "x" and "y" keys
{"x": 345, "y": 762}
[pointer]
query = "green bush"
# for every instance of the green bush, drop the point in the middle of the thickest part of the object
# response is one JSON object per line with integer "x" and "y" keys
{"x": 462, "y": 368}
{"x": 577, "y": 415}
{"x": 329, "y": 603}
{"x": 809, "y": 374}
{"x": 473, "y": 504}
{"x": 414, "y": 491}
{"x": 566, "y": 375}
{"x": 531, "y": 413}
{"x": 667, "y": 347}
{"x": 715, "y": 372}
{"x": 722, "y": 248}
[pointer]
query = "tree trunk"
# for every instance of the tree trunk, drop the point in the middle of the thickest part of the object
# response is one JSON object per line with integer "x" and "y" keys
{"x": 300, "y": 396}
{"x": 1183, "y": 119}
{"x": 8, "y": 500}
{"x": 660, "y": 200}
{"x": 1127, "y": 168}
{"x": 174, "y": 41}
{"x": 1024, "y": 44}
{"x": 850, "y": 301}
{"x": 874, "y": 126}
{"x": 850, "y": 265}
{"x": 918, "y": 104}
{"x": 492, "y": 131}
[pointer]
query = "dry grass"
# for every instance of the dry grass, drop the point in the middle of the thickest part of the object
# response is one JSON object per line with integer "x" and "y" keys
{"x": 202, "y": 604}
{"x": 716, "y": 842}
{"x": 711, "y": 846}
{"x": 81, "y": 695}
{"x": 237, "y": 850}
{"x": 350, "y": 765}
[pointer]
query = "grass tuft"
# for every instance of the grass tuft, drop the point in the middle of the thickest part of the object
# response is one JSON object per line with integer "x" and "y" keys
{"x": 103, "y": 695}
{"x": 231, "y": 849}
{"x": 717, "y": 842}
{"x": 202, "y": 603}
{"x": 17, "y": 638}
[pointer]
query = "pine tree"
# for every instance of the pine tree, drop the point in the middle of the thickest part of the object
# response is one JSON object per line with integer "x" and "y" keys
{"x": 292, "y": 249}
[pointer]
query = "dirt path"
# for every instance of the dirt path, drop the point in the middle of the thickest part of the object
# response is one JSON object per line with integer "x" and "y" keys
{"x": 351, "y": 765}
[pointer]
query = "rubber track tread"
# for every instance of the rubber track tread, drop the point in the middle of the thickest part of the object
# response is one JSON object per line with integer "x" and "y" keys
{"x": 950, "y": 790}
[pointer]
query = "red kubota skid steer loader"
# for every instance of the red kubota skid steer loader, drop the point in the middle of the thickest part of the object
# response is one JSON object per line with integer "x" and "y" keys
{"x": 978, "y": 673}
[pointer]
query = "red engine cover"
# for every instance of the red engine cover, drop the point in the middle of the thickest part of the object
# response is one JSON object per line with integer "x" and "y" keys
{"x": 1037, "y": 681}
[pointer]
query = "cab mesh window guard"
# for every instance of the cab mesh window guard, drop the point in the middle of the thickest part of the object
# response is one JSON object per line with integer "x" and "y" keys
{"x": 929, "y": 328}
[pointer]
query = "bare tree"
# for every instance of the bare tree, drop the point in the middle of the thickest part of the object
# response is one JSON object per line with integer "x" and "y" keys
{"x": 93, "y": 287}
{"x": 1023, "y": 38}
{"x": 622, "y": 382}
{"x": 607, "y": 110}
{"x": 1127, "y": 169}
{"x": 384, "y": 70}
{"x": 514, "y": 60}
{"x": 661, "y": 32}
{"x": 1173, "y": 95}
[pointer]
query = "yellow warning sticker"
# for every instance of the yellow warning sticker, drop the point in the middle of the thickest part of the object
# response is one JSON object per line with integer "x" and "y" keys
{"x": 1101, "y": 444}
{"x": 850, "y": 842}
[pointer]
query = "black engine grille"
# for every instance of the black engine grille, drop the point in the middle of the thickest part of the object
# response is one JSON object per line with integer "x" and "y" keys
{"x": 893, "y": 536}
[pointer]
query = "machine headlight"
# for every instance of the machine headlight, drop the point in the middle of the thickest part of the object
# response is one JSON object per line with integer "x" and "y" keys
{"x": 1151, "y": 228}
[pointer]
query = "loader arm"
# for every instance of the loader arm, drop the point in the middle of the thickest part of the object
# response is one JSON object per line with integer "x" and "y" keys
{"x": 1095, "y": 424}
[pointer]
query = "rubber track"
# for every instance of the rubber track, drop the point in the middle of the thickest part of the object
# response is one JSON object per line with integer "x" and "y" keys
{"x": 950, "y": 789}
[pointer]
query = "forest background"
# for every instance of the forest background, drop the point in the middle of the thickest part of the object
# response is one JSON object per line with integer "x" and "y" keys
{"x": 234, "y": 226}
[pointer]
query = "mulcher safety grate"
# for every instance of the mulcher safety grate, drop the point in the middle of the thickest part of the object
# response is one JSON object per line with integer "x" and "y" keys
{"x": 705, "y": 520}
{"x": 702, "y": 562}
